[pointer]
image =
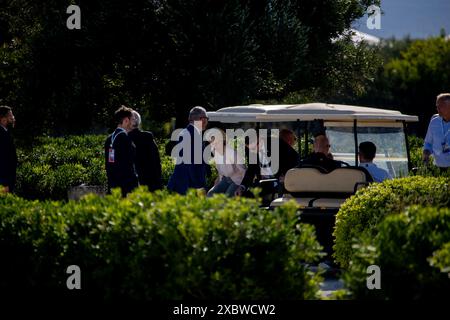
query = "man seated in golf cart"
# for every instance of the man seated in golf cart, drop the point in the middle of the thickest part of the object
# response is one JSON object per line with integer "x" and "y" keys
{"x": 288, "y": 158}
{"x": 321, "y": 155}
{"x": 367, "y": 152}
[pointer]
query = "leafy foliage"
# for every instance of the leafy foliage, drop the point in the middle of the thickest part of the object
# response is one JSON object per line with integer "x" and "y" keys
{"x": 412, "y": 250}
{"x": 361, "y": 214}
{"x": 53, "y": 165}
{"x": 441, "y": 259}
{"x": 157, "y": 246}
{"x": 428, "y": 170}
{"x": 412, "y": 74}
{"x": 163, "y": 57}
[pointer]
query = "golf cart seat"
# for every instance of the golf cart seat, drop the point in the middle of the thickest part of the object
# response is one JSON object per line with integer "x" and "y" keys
{"x": 311, "y": 187}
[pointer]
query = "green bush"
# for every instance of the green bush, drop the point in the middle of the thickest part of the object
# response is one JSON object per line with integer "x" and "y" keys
{"x": 412, "y": 250}
{"x": 157, "y": 246}
{"x": 416, "y": 150}
{"x": 53, "y": 165}
{"x": 441, "y": 259}
{"x": 363, "y": 212}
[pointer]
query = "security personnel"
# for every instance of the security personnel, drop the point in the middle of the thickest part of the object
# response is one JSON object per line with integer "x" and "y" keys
{"x": 191, "y": 169}
{"x": 120, "y": 154}
{"x": 148, "y": 162}
{"x": 8, "y": 155}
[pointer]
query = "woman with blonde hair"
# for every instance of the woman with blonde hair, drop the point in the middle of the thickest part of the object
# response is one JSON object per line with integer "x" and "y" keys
{"x": 229, "y": 163}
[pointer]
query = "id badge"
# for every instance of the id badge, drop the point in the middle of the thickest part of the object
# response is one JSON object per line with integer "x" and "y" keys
{"x": 445, "y": 148}
{"x": 111, "y": 155}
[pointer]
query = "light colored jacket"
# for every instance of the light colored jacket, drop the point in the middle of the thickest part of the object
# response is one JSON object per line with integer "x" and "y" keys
{"x": 231, "y": 164}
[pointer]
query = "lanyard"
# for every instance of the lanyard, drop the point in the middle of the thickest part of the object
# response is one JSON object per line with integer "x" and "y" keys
{"x": 114, "y": 135}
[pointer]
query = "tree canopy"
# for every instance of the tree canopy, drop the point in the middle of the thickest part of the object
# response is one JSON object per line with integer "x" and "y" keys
{"x": 412, "y": 74}
{"x": 164, "y": 56}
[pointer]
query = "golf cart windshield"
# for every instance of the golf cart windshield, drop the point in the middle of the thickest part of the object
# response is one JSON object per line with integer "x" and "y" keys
{"x": 388, "y": 138}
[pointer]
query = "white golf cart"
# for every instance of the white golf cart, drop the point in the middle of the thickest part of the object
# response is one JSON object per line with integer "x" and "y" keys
{"x": 319, "y": 195}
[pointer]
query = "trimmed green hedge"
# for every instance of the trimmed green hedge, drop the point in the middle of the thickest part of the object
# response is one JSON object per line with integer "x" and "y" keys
{"x": 53, "y": 165}
{"x": 412, "y": 250}
{"x": 441, "y": 259}
{"x": 362, "y": 213}
{"x": 157, "y": 246}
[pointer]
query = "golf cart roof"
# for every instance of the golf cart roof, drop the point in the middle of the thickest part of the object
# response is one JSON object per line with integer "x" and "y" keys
{"x": 306, "y": 112}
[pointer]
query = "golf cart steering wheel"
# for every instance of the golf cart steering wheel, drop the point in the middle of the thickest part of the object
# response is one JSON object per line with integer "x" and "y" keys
{"x": 343, "y": 163}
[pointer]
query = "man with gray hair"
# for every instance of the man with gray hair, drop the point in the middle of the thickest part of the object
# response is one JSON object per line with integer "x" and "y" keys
{"x": 147, "y": 162}
{"x": 191, "y": 171}
{"x": 437, "y": 140}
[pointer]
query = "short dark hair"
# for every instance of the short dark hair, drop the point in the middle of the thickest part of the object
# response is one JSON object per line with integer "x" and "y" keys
{"x": 4, "y": 110}
{"x": 197, "y": 113}
{"x": 368, "y": 150}
{"x": 122, "y": 113}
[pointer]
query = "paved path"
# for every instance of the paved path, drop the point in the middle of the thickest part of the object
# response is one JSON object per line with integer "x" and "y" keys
{"x": 328, "y": 286}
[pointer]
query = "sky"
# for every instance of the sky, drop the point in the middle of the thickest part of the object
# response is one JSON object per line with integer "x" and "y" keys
{"x": 418, "y": 18}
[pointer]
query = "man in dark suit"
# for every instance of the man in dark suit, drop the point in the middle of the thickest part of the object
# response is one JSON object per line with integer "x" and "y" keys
{"x": 289, "y": 157}
{"x": 321, "y": 156}
{"x": 191, "y": 169}
{"x": 120, "y": 154}
{"x": 148, "y": 162}
{"x": 8, "y": 155}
